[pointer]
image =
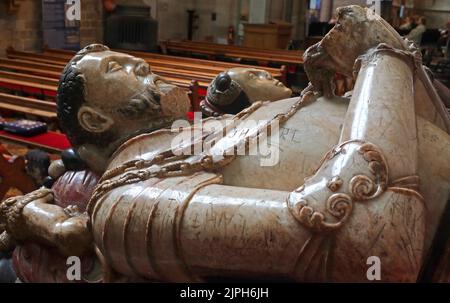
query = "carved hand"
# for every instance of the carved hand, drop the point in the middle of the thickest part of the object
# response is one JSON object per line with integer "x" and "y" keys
{"x": 33, "y": 217}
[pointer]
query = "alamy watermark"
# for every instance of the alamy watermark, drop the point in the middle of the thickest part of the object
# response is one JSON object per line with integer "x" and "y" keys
{"x": 375, "y": 5}
{"x": 374, "y": 271}
{"x": 228, "y": 137}
{"x": 73, "y": 272}
{"x": 73, "y": 11}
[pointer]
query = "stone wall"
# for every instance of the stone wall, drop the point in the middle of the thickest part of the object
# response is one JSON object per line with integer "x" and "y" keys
{"x": 228, "y": 14}
{"x": 217, "y": 30}
{"x": 21, "y": 29}
{"x": 172, "y": 16}
{"x": 437, "y": 12}
{"x": 91, "y": 23}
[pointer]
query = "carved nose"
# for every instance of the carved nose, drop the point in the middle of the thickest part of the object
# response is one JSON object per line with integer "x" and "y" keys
{"x": 142, "y": 69}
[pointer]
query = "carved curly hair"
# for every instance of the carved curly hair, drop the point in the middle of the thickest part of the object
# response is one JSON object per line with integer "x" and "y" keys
{"x": 71, "y": 96}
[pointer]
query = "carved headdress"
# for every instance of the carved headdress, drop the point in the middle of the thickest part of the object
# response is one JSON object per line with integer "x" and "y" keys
{"x": 224, "y": 96}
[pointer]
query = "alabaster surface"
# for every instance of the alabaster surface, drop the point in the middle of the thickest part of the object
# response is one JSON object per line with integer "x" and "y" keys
{"x": 355, "y": 177}
{"x": 237, "y": 88}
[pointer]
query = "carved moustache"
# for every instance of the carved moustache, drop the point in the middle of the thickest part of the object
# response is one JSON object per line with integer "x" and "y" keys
{"x": 168, "y": 100}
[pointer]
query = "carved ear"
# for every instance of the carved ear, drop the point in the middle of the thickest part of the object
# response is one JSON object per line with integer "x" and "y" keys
{"x": 93, "y": 121}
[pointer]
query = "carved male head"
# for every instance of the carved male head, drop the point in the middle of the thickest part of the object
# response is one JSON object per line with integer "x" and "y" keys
{"x": 237, "y": 88}
{"x": 105, "y": 97}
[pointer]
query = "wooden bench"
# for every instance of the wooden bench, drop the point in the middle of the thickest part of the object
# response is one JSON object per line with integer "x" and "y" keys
{"x": 45, "y": 86}
{"x": 30, "y": 78}
{"x": 187, "y": 65}
{"x": 28, "y": 67}
{"x": 241, "y": 48}
{"x": 47, "y": 70}
{"x": 40, "y": 58}
{"x": 196, "y": 88}
{"x": 163, "y": 66}
{"x": 263, "y": 57}
{"x": 24, "y": 105}
{"x": 50, "y": 141}
{"x": 29, "y": 84}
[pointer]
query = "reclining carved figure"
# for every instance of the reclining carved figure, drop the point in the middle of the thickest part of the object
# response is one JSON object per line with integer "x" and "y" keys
{"x": 354, "y": 179}
{"x": 237, "y": 88}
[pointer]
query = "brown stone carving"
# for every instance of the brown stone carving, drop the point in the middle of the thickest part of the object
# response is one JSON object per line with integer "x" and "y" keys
{"x": 352, "y": 178}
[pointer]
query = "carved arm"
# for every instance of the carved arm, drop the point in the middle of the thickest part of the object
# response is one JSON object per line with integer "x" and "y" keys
{"x": 369, "y": 181}
{"x": 34, "y": 217}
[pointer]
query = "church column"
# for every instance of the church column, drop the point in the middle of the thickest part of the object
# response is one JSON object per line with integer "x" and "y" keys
{"x": 259, "y": 11}
{"x": 299, "y": 7}
{"x": 326, "y": 10}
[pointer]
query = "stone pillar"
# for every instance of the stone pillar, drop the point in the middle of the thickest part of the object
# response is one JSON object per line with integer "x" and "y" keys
{"x": 22, "y": 28}
{"x": 299, "y": 8}
{"x": 91, "y": 24}
{"x": 259, "y": 11}
{"x": 326, "y": 10}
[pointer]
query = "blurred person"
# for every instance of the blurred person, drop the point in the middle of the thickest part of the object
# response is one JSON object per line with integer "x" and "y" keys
{"x": 416, "y": 34}
{"x": 407, "y": 26}
{"x": 444, "y": 39}
{"x": 313, "y": 17}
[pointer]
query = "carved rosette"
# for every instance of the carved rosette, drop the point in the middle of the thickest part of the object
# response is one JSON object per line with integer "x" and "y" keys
{"x": 340, "y": 193}
{"x": 362, "y": 187}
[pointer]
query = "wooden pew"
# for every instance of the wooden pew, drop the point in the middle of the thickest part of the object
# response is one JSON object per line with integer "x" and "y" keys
{"x": 34, "y": 85}
{"x": 26, "y": 63}
{"x": 48, "y": 70}
{"x": 30, "y": 71}
{"x": 39, "y": 69}
{"x": 187, "y": 65}
{"x": 164, "y": 67}
{"x": 40, "y": 58}
{"x": 45, "y": 86}
{"x": 213, "y": 50}
{"x": 194, "y": 77}
{"x": 170, "y": 74}
{"x": 52, "y": 83}
{"x": 50, "y": 141}
{"x": 24, "y": 105}
{"x": 30, "y": 78}
{"x": 241, "y": 48}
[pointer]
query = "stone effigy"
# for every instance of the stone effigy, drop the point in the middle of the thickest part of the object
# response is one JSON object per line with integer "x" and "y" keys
{"x": 237, "y": 88}
{"x": 342, "y": 180}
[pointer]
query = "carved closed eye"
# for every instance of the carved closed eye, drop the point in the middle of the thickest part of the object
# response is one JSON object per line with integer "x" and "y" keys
{"x": 159, "y": 82}
{"x": 251, "y": 75}
{"x": 335, "y": 183}
{"x": 142, "y": 69}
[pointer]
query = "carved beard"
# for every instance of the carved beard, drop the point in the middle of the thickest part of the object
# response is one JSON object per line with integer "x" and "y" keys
{"x": 142, "y": 104}
{"x": 167, "y": 102}
{"x": 175, "y": 103}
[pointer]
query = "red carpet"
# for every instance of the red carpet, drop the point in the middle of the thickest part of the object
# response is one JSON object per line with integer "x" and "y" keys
{"x": 49, "y": 140}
